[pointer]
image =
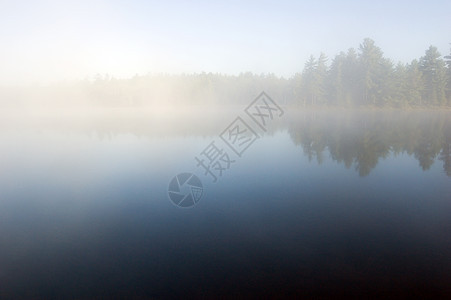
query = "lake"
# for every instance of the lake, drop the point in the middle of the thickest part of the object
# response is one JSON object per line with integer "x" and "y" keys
{"x": 320, "y": 203}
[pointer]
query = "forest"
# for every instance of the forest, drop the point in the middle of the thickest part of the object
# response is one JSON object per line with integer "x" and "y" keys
{"x": 366, "y": 77}
{"x": 357, "y": 77}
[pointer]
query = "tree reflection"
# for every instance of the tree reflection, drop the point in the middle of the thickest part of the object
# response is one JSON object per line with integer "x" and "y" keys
{"x": 362, "y": 138}
{"x": 445, "y": 154}
{"x": 357, "y": 138}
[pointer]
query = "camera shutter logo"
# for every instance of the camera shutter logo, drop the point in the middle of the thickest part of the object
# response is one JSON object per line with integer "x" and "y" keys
{"x": 185, "y": 190}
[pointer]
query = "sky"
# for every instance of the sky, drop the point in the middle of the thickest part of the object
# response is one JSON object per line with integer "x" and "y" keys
{"x": 48, "y": 41}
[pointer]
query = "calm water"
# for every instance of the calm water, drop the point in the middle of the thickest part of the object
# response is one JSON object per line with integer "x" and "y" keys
{"x": 323, "y": 204}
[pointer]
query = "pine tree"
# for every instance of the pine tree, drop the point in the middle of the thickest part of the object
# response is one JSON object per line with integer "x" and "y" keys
{"x": 351, "y": 78}
{"x": 376, "y": 72}
{"x": 448, "y": 81}
{"x": 400, "y": 89}
{"x": 415, "y": 84}
{"x": 309, "y": 82}
{"x": 335, "y": 87}
{"x": 433, "y": 69}
{"x": 321, "y": 77}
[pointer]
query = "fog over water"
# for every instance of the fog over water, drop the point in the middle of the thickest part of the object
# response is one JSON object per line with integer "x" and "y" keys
{"x": 225, "y": 149}
{"x": 324, "y": 200}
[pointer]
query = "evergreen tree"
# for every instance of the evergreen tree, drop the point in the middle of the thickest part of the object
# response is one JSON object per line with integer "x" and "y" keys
{"x": 351, "y": 78}
{"x": 415, "y": 84}
{"x": 309, "y": 81}
{"x": 336, "y": 89}
{"x": 433, "y": 69}
{"x": 400, "y": 89}
{"x": 321, "y": 77}
{"x": 376, "y": 72}
{"x": 448, "y": 81}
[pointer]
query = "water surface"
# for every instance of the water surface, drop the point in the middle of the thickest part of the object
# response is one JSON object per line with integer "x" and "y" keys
{"x": 326, "y": 203}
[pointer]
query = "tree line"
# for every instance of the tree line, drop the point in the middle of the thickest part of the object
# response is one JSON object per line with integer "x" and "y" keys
{"x": 362, "y": 77}
{"x": 366, "y": 77}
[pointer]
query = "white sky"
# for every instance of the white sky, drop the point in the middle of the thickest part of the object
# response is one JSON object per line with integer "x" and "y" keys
{"x": 45, "y": 41}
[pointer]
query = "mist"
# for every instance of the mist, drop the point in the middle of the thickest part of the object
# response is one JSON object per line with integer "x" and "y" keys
{"x": 206, "y": 149}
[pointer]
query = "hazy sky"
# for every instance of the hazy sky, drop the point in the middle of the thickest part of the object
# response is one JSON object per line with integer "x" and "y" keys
{"x": 42, "y": 41}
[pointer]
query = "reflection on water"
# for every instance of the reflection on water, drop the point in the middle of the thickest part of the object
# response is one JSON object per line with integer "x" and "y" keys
{"x": 363, "y": 139}
{"x": 328, "y": 203}
{"x": 356, "y": 138}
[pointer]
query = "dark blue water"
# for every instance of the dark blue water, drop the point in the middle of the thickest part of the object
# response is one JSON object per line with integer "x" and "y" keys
{"x": 324, "y": 204}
